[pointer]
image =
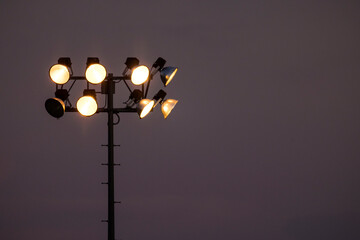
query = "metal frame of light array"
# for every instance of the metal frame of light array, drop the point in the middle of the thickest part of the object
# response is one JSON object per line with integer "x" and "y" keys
{"x": 96, "y": 74}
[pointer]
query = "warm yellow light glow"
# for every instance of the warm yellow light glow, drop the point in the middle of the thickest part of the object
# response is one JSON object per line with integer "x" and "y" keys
{"x": 167, "y": 106}
{"x": 87, "y": 106}
{"x": 169, "y": 78}
{"x": 59, "y": 74}
{"x": 147, "y": 106}
{"x": 140, "y": 75}
{"x": 95, "y": 73}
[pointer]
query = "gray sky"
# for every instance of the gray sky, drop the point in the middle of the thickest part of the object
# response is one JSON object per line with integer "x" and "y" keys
{"x": 263, "y": 144}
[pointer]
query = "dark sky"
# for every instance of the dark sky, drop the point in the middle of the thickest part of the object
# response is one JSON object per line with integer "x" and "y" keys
{"x": 263, "y": 144}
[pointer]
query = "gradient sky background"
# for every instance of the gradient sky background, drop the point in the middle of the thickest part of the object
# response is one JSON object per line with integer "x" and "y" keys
{"x": 263, "y": 144}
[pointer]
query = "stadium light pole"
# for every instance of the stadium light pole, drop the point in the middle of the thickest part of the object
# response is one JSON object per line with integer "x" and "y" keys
{"x": 95, "y": 74}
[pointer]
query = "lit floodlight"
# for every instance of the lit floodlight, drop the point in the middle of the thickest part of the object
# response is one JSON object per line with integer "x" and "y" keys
{"x": 167, "y": 74}
{"x": 95, "y": 72}
{"x": 55, "y": 107}
{"x": 87, "y": 105}
{"x": 140, "y": 75}
{"x": 144, "y": 107}
{"x": 167, "y": 106}
{"x": 60, "y": 72}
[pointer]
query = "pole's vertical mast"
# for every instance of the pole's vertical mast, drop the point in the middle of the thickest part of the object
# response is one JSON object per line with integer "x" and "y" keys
{"x": 111, "y": 202}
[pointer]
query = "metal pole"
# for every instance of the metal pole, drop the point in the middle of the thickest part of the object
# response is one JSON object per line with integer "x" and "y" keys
{"x": 111, "y": 202}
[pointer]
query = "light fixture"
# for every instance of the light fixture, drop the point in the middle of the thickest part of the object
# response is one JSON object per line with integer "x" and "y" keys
{"x": 63, "y": 94}
{"x": 144, "y": 107}
{"x": 140, "y": 75}
{"x": 159, "y": 97}
{"x": 167, "y": 106}
{"x": 95, "y": 72}
{"x": 130, "y": 63}
{"x": 167, "y": 74}
{"x": 60, "y": 72}
{"x": 55, "y": 107}
{"x": 134, "y": 98}
{"x": 87, "y": 105}
{"x": 159, "y": 63}
{"x": 136, "y": 95}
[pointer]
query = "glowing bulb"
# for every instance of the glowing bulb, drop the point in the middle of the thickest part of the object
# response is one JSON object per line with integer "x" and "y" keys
{"x": 87, "y": 106}
{"x": 144, "y": 107}
{"x": 95, "y": 73}
{"x": 167, "y": 106}
{"x": 59, "y": 74}
{"x": 140, "y": 75}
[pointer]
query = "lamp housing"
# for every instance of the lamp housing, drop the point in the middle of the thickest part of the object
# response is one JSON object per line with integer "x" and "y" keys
{"x": 131, "y": 62}
{"x": 55, "y": 107}
{"x": 136, "y": 95}
{"x": 159, "y": 97}
{"x": 92, "y": 60}
{"x": 134, "y": 98}
{"x": 144, "y": 107}
{"x": 62, "y": 94}
{"x": 167, "y": 106}
{"x": 90, "y": 92}
{"x": 167, "y": 74}
{"x": 66, "y": 61}
{"x": 159, "y": 63}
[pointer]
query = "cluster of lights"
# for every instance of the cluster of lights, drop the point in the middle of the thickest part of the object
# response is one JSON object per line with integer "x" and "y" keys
{"x": 95, "y": 73}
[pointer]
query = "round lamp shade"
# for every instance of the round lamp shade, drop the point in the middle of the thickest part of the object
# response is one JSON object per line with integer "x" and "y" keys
{"x": 95, "y": 73}
{"x": 59, "y": 74}
{"x": 144, "y": 107}
{"x": 55, "y": 107}
{"x": 140, "y": 75}
{"x": 87, "y": 106}
{"x": 167, "y": 106}
{"x": 167, "y": 74}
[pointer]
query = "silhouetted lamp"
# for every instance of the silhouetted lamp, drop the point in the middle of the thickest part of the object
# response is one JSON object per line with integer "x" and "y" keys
{"x": 55, "y": 107}
{"x": 159, "y": 97}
